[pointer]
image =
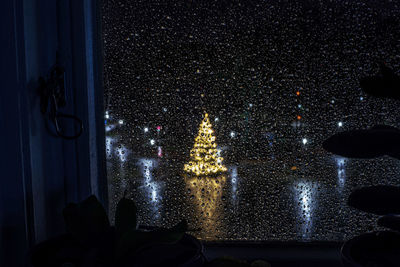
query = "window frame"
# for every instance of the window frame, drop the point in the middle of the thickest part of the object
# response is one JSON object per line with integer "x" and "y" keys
{"x": 87, "y": 74}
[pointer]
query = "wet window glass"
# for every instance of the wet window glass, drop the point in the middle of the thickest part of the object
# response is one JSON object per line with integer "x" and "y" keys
{"x": 216, "y": 112}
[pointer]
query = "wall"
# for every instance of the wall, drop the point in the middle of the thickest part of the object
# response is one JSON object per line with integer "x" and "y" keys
{"x": 40, "y": 172}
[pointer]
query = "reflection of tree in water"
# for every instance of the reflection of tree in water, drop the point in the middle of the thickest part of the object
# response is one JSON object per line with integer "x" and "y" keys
{"x": 206, "y": 194}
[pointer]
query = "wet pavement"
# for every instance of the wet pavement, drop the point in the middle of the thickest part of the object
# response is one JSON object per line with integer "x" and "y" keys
{"x": 273, "y": 199}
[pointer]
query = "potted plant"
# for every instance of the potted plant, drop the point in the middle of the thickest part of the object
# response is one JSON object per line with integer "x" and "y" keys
{"x": 91, "y": 240}
{"x": 380, "y": 248}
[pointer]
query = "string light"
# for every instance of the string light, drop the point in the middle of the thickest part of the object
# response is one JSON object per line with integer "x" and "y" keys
{"x": 204, "y": 154}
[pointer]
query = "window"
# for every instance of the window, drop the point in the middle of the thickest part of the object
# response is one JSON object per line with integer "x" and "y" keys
{"x": 276, "y": 79}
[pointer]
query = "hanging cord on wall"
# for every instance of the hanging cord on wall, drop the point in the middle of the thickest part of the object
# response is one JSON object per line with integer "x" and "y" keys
{"x": 52, "y": 90}
{"x": 52, "y": 93}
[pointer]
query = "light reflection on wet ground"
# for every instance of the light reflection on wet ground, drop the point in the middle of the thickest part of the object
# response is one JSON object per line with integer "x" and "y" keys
{"x": 251, "y": 201}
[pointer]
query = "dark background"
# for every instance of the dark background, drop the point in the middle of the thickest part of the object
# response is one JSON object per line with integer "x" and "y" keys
{"x": 274, "y": 73}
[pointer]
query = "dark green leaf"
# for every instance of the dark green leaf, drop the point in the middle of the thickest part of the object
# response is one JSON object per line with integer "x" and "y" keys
{"x": 73, "y": 220}
{"x": 86, "y": 219}
{"x": 94, "y": 215}
{"x": 125, "y": 216}
{"x": 135, "y": 240}
{"x": 182, "y": 226}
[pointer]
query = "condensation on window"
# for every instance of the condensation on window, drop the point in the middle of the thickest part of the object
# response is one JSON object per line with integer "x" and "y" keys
{"x": 275, "y": 78}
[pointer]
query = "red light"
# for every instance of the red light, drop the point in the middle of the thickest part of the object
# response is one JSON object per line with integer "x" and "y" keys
{"x": 158, "y": 128}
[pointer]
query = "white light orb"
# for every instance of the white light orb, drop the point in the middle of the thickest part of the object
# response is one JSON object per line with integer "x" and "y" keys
{"x": 146, "y": 129}
{"x": 305, "y": 141}
{"x": 121, "y": 122}
{"x": 152, "y": 142}
{"x": 340, "y": 124}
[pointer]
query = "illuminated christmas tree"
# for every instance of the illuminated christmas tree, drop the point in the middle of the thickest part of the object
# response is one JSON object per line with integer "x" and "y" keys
{"x": 205, "y": 158}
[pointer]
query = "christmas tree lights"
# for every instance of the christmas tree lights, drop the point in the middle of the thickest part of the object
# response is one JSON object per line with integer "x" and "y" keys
{"x": 204, "y": 155}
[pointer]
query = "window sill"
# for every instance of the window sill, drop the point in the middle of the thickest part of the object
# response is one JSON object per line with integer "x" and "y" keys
{"x": 278, "y": 253}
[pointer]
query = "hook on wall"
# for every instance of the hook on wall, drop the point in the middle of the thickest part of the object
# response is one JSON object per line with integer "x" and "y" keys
{"x": 52, "y": 91}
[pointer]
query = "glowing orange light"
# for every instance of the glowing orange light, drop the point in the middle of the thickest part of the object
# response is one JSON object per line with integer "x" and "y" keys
{"x": 293, "y": 168}
{"x": 298, "y": 93}
{"x": 298, "y": 117}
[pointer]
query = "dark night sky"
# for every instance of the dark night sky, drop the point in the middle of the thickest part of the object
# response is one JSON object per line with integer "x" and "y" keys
{"x": 221, "y": 56}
